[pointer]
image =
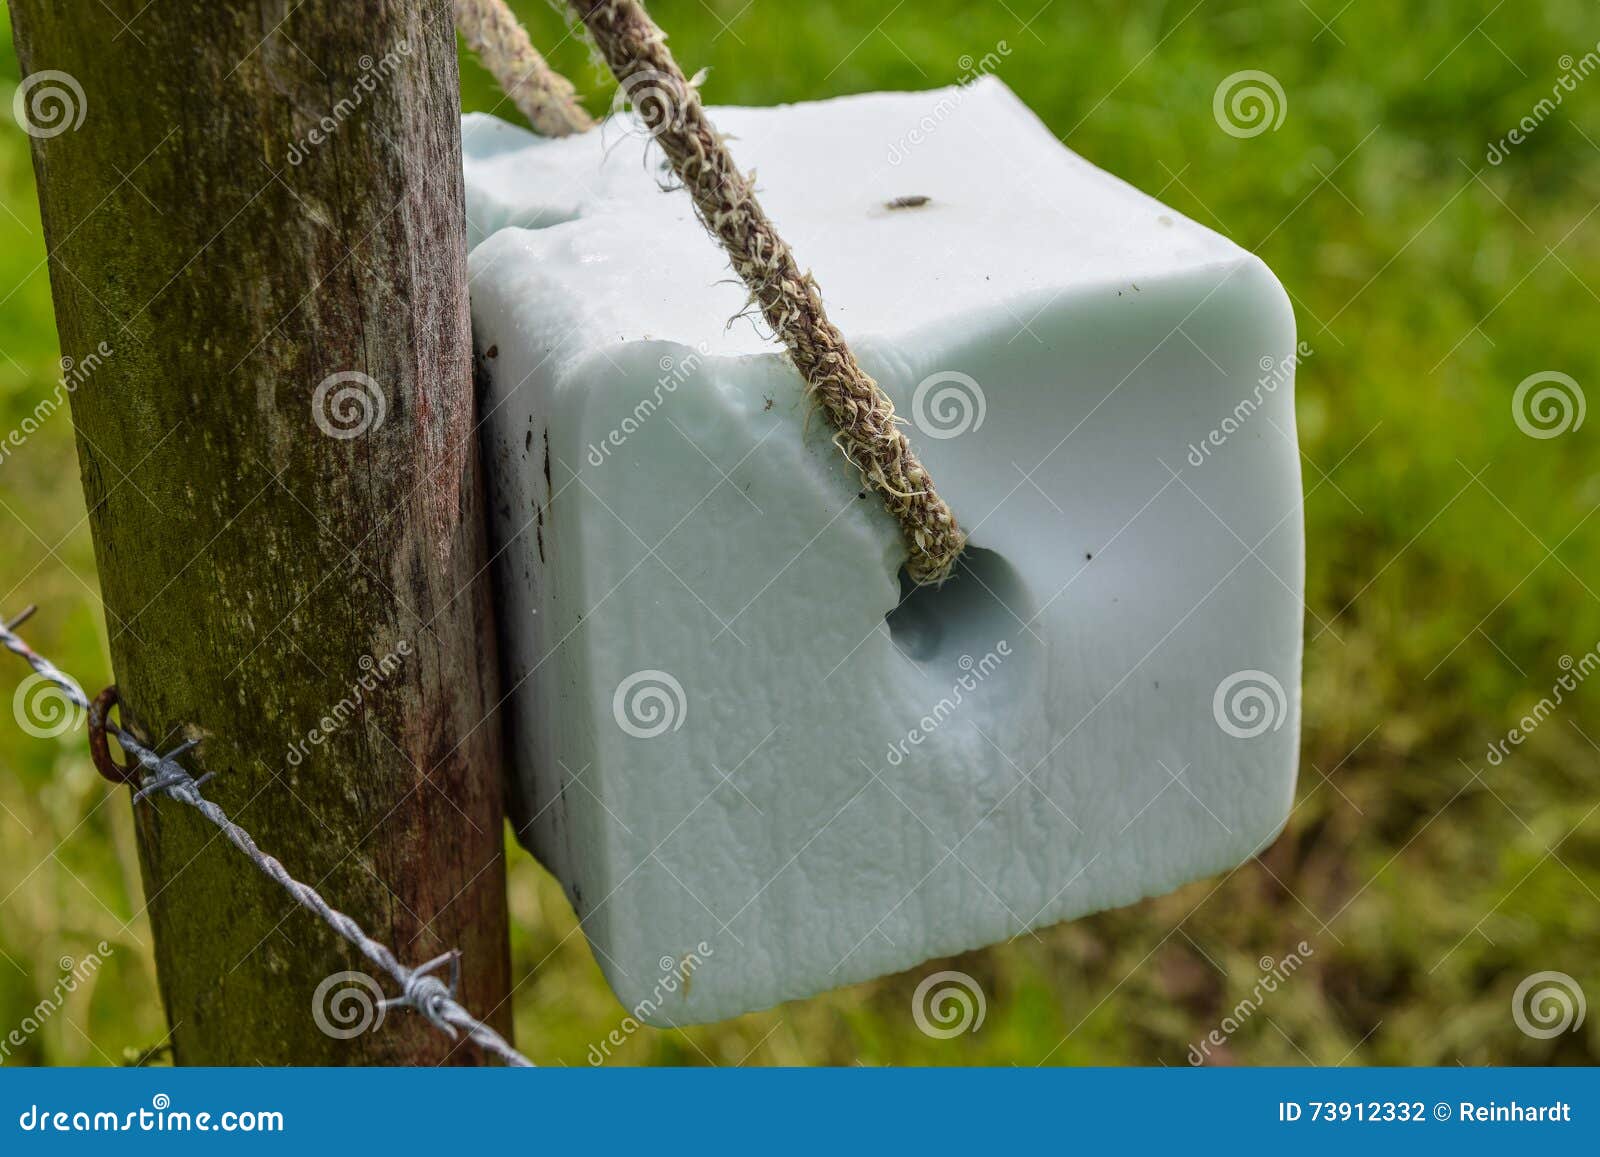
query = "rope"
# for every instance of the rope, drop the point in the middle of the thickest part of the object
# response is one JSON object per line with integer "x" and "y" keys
{"x": 502, "y": 46}
{"x": 868, "y": 433}
{"x": 155, "y": 774}
{"x": 791, "y": 301}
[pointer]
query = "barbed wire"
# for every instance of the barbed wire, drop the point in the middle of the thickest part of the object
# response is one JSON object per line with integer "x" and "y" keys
{"x": 155, "y": 774}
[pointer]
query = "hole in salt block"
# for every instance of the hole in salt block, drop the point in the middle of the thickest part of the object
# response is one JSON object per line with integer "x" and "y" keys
{"x": 971, "y": 622}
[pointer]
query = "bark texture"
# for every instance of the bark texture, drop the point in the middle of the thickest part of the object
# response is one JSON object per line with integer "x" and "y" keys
{"x": 262, "y": 195}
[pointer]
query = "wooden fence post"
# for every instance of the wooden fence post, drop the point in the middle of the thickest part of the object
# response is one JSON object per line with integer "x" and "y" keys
{"x": 254, "y": 218}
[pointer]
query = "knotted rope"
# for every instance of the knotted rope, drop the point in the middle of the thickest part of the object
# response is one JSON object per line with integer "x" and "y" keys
{"x": 502, "y": 46}
{"x": 155, "y": 774}
{"x": 790, "y": 300}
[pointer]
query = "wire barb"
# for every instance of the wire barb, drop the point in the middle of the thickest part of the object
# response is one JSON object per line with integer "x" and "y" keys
{"x": 427, "y": 994}
{"x": 153, "y": 775}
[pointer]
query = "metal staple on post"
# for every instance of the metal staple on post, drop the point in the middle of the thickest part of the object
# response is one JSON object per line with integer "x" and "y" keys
{"x": 155, "y": 774}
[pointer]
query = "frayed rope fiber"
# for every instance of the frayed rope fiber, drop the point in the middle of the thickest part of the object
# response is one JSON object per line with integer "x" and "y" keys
{"x": 790, "y": 300}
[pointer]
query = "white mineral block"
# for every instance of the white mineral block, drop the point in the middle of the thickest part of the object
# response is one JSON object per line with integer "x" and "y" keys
{"x": 739, "y": 750}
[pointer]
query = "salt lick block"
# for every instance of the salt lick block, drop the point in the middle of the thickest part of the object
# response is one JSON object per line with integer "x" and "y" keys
{"x": 758, "y": 765}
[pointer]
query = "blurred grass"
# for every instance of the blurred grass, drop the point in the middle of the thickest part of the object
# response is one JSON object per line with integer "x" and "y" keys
{"x": 1452, "y": 560}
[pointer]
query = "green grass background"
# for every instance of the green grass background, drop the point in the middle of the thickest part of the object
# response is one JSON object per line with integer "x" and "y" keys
{"x": 1453, "y": 560}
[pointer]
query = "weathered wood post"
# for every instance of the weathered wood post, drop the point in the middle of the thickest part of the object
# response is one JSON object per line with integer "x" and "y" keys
{"x": 256, "y": 206}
